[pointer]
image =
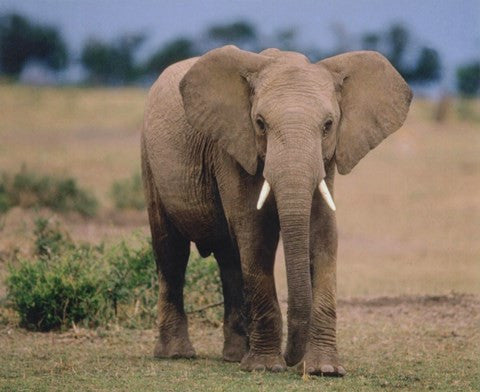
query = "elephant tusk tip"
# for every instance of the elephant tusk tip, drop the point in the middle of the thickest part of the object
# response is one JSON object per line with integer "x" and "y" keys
{"x": 263, "y": 195}
{"x": 326, "y": 195}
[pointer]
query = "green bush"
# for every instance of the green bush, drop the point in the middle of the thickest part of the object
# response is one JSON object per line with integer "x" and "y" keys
{"x": 50, "y": 241}
{"x": 132, "y": 286}
{"x": 128, "y": 193}
{"x": 203, "y": 288}
{"x": 4, "y": 200}
{"x": 53, "y": 292}
{"x": 96, "y": 285}
{"x": 62, "y": 284}
{"x": 29, "y": 189}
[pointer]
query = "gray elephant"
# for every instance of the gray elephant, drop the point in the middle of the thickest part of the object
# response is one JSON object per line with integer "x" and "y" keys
{"x": 237, "y": 146}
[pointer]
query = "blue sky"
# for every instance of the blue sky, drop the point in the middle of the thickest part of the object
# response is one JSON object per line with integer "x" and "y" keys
{"x": 450, "y": 26}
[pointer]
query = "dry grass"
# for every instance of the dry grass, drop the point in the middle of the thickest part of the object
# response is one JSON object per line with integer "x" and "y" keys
{"x": 407, "y": 343}
{"x": 409, "y": 220}
{"x": 92, "y": 134}
{"x": 409, "y": 215}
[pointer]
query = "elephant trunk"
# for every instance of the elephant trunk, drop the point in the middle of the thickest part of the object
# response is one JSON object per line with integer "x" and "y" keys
{"x": 293, "y": 176}
{"x": 294, "y": 214}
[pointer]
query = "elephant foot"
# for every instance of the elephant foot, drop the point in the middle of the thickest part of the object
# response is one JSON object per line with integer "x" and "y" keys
{"x": 235, "y": 348}
{"x": 261, "y": 362}
{"x": 321, "y": 364}
{"x": 174, "y": 348}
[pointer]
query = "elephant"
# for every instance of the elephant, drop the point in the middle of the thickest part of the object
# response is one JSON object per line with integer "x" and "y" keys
{"x": 237, "y": 147}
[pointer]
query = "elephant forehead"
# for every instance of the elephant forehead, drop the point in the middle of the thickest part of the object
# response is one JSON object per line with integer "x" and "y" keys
{"x": 292, "y": 79}
{"x": 285, "y": 87}
{"x": 286, "y": 56}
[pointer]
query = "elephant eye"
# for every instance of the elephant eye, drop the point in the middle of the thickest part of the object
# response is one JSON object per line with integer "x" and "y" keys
{"x": 261, "y": 124}
{"x": 327, "y": 126}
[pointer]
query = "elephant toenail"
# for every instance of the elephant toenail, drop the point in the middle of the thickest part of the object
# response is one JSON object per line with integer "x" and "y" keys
{"x": 259, "y": 368}
{"x": 341, "y": 371}
{"x": 277, "y": 368}
{"x": 327, "y": 369}
{"x": 310, "y": 370}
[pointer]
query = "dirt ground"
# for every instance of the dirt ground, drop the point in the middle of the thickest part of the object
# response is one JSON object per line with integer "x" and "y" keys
{"x": 413, "y": 343}
{"x": 408, "y": 260}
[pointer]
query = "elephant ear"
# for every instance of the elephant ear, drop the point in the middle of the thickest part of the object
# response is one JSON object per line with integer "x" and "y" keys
{"x": 374, "y": 101}
{"x": 216, "y": 98}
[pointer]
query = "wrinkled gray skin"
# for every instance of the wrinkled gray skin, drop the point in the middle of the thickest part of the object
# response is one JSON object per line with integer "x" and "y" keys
{"x": 218, "y": 125}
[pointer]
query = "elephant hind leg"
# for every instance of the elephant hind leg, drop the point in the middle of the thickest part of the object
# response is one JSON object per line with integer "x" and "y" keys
{"x": 171, "y": 254}
{"x": 171, "y": 251}
{"x": 234, "y": 324}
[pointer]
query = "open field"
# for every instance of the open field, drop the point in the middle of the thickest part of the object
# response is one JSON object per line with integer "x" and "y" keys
{"x": 405, "y": 343}
{"x": 409, "y": 224}
{"x": 408, "y": 214}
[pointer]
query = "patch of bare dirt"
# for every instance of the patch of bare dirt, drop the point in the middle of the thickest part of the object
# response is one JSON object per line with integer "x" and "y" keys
{"x": 450, "y": 312}
{"x": 453, "y": 299}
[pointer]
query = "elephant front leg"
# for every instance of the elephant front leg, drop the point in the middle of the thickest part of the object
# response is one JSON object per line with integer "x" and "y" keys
{"x": 321, "y": 356}
{"x": 263, "y": 311}
{"x": 265, "y": 324}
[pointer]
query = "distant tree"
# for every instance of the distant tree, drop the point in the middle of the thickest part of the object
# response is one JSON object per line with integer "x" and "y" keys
{"x": 172, "y": 52}
{"x": 394, "y": 43}
{"x": 428, "y": 68}
{"x": 370, "y": 41}
{"x": 468, "y": 79}
{"x": 99, "y": 60}
{"x": 343, "y": 40}
{"x": 285, "y": 39}
{"x": 237, "y": 32}
{"x": 397, "y": 39}
{"x": 22, "y": 41}
{"x": 240, "y": 33}
{"x": 112, "y": 63}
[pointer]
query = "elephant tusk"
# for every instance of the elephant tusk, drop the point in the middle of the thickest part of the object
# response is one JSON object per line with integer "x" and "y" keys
{"x": 326, "y": 195}
{"x": 263, "y": 194}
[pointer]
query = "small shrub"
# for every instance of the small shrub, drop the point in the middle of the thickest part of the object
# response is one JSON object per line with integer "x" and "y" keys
{"x": 28, "y": 189}
{"x": 131, "y": 285}
{"x": 128, "y": 193}
{"x": 95, "y": 285}
{"x": 67, "y": 196}
{"x": 203, "y": 288}
{"x": 50, "y": 241}
{"x": 4, "y": 199}
{"x": 61, "y": 285}
{"x": 53, "y": 292}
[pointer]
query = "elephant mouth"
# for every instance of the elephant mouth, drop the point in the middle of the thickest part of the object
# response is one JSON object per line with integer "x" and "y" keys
{"x": 323, "y": 188}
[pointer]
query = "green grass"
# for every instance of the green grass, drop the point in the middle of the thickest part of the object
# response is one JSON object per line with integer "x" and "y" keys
{"x": 410, "y": 344}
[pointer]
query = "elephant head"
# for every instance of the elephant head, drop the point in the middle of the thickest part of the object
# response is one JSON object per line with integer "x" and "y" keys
{"x": 296, "y": 117}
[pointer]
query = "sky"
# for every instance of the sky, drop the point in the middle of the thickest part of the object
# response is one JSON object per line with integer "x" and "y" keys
{"x": 450, "y": 26}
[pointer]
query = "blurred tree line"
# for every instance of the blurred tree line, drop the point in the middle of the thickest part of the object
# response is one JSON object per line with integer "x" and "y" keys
{"x": 22, "y": 41}
{"x": 424, "y": 65}
{"x": 117, "y": 62}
